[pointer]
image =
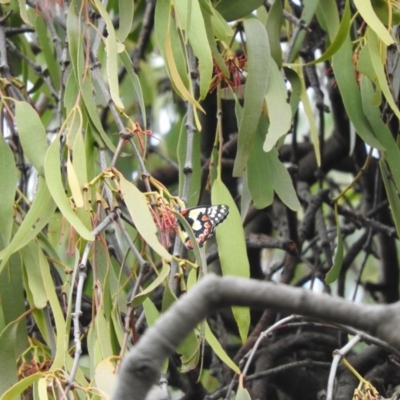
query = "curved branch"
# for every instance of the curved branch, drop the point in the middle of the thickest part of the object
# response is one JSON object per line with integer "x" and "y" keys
{"x": 141, "y": 368}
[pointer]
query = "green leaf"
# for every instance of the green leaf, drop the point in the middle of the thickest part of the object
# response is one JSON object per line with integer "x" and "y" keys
{"x": 35, "y": 220}
{"x": 232, "y": 249}
{"x": 392, "y": 193}
{"x": 258, "y": 55}
{"x": 12, "y": 302}
{"x": 48, "y": 50}
{"x": 191, "y": 19}
{"x": 8, "y": 184}
{"x": 30, "y": 258}
{"x": 82, "y": 76}
{"x": 282, "y": 181}
{"x": 141, "y": 216}
{"x": 297, "y": 87}
{"x": 311, "y": 121}
{"x": 8, "y": 364}
{"x": 54, "y": 183}
{"x": 126, "y": 61}
{"x": 32, "y": 134}
{"x": 274, "y": 26}
{"x": 259, "y": 179}
{"x": 242, "y": 394}
{"x": 218, "y": 349}
{"x": 57, "y": 313}
{"x": 364, "y": 7}
{"x": 373, "y": 113}
{"x": 15, "y": 391}
{"x": 126, "y": 11}
{"x": 279, "y": 111}
{"x": 143, "y": 294}
{"x": 340, "y": 37}
{"x": 23, "y": 12}
{"x": 105, "y": 377}
{"x": 111, "y": 49}
{"x": 343, "y": 66}
{"x": 376, "y": 62}
{"x": 235, "y": 9}
{"x": 333, "y": 273}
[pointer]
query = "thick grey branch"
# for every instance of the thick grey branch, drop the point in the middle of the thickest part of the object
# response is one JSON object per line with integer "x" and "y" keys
{"x": 141, "y": 368}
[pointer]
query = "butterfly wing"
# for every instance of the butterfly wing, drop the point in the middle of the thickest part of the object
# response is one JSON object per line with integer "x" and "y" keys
{"x": 203, "y": 221}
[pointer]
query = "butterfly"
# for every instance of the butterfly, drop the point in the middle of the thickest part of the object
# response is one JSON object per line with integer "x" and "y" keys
{"x": 202, "y": 220}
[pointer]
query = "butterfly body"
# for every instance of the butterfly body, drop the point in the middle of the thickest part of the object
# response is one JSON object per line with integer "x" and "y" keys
{"x": 202, "y": 220}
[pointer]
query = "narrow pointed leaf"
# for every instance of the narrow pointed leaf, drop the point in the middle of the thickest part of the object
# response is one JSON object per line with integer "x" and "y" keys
{"x": 141, "y": 216}
{"x": 258, "y": 54}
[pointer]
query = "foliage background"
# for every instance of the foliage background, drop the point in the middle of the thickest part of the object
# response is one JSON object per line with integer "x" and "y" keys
{"x": 115, "y": 114}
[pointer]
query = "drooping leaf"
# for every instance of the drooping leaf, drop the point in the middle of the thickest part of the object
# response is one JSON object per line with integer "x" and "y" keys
{"x": 232, "y": 249}
{"x": 30, "y": 258}
{"x": 279, "y": 110}
{"x": 219, "y": 350}
{"x": 16, "y": 390}
{"x": 343, "y": 66}
{"x": 274, "y": 26}
{"x": 191, "y": 19}
{"x": 364, "y": 7}
{"x": 282, "y": 182}
{"x": 378, "y": 66}
{"x": 32, "y": 134}
{"x": 35, "y": 220}
{"x": 54, "y": 183}
{"x": 8, "y": 184}
{"x": 141, "y": 216}
{"x": 311, "y": 121}
{"x": 8, "y": 364}
{"x": 258, "y": 55}
{"x": 143, "y": 294}
{"x": 334, "y": 272}
{"x": 126, "y": 11}
{"x": 259, "y": 179}
{"x": 105, "y": 377}
{"x": 235, "y": 9}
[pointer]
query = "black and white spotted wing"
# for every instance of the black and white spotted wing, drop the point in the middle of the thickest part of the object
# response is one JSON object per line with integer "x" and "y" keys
{"x": 203, "y": 220}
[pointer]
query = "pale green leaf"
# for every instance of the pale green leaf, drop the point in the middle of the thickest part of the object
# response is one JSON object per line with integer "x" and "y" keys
{"x": 311, "y": 121}
{"x": 141, "y": 216}
{"x": 258, "y": 55}
{"x": 364, "y": 7}
{"x": 161, "y": 276}
{"x": 232, "y": 249}
{"x": 126, "y": 11}
{"x": 8, "y": 365}
{"x": 8, "y": 185}
{"x": 279, "y": 110}
{"x": 30, "y": 258}
{"x": 23, "y": 12}
{"x": 35, "y": 220}
{"x": 126, "y": 61}
{"x": 282, "y": 181}
{"x": 32, "y": 134}
{"x": 15, "y": 391}
{"x": 333, "y": 273}
{"x": 218, "y": 349}
{"x": 235, "y": 9}
{"x": 111, "y": 49}
{"x": 259, "y": 179}
{"x": 54, "y": 183}
{"x": 378, "y": 66}
{"x": 343, "y": 67}
{"x": 105, "y": 377}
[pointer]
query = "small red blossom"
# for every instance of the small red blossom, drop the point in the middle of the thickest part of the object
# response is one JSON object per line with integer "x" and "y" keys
{"x": 235, "y": 64}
